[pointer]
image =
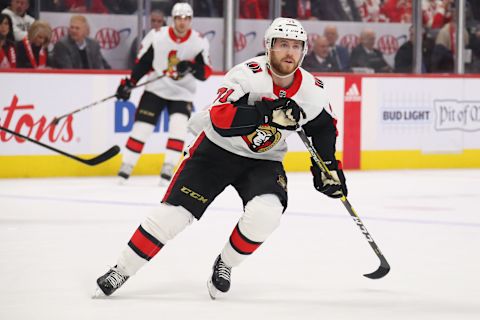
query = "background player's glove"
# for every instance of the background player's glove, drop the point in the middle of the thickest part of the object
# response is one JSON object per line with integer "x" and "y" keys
{"x": 333, "y": 188}
{"x": 283, "y": 113}
{"x": 184, "y": 67}
{"x": 124, "y": 89}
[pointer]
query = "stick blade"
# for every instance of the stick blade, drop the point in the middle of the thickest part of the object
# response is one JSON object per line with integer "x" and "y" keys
{"x": 381, "y": 272}
{"x": 110, "y": 153}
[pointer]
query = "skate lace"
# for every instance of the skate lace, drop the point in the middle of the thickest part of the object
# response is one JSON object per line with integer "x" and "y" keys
{"x": 223, "y": 270}
{"x": 116, "y": 279}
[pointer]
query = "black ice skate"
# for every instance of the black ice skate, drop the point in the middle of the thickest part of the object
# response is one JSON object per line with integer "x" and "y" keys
{"x": 110, "y": 281}
{"x": 124, "y": 172}
{"x": 220, "y": 280}
{"x": 166, "y": 174}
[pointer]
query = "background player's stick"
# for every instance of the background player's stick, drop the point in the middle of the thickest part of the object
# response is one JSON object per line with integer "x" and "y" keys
{"x": 384, "y": 267}
{"x": 110, "y": 153}
{"x": 57, "y": 119}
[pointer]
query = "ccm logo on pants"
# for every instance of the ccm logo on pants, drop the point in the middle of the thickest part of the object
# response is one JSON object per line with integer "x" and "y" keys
{"x": 194, "y": 195}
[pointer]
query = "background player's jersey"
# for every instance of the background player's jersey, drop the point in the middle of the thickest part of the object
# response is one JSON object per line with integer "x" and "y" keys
{"x": 168, "y": 50}
{"x": 253, "y": 78}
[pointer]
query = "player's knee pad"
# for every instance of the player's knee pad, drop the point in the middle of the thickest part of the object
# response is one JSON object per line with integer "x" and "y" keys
{"x": 166, "y": 221}
{"x": 261, "y": 217}
{"x": 141, "y": 131}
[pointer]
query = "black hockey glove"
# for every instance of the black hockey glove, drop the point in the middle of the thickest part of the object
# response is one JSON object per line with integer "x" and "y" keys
{"x": 184, "y": 67}
{"x": 283, "y": 113}
{"x": 124, "y": 89}
{"x": 333, "y": 188}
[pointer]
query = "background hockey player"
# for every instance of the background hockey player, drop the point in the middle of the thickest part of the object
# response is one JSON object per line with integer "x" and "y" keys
{"x": 182, "y": 55}
{"x": 242, "y": 143}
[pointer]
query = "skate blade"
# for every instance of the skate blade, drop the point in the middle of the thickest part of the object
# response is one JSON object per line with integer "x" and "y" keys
{"x": 212, "y": 291}
{"x": 98, "y": 294}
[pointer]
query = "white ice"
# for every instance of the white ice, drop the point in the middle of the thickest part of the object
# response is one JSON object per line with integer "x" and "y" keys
{"x": 58, "y": 235}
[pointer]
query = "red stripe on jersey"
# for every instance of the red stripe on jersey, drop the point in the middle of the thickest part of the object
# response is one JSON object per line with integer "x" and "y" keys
{"x": 190, "y": 153}
{"x": 144, "y": 244}
{"x": 208, "y": 71}
{"x": 135, "y": 145}
{"x": 241, "y": 244}
{"x": 222, "y": 115}
{"x": 177, "y": 39}
{"x": 294, "y": 87}
{"x": 174, "y": 144}
{"x": 339, "y": 165}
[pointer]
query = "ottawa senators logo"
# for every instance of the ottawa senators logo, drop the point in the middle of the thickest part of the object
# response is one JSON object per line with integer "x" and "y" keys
{"x": 255, "y": 67}
{"x": 263, "y": 138}
{"x": 171, "y": 64}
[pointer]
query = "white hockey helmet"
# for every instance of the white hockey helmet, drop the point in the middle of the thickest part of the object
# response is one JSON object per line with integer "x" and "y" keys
{"x": 286, "y": 28}
{"x": 182, "y": 9}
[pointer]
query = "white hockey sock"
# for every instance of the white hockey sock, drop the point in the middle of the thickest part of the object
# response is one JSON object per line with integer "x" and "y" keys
{"x": 261, "y": 217}
{"x": 177, "y": 134}
{"x": 141, "y": 131}
{"x": 162, "y": 225}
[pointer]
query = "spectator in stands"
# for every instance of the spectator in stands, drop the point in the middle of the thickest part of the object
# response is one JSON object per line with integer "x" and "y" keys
{"x": 370, "y": 10}
{"x": 443, "y": 54}
{"x": 157, "y": 20}
{"x": 320, "y": 59}
{"x": 20, "y": 19}
{"x": 339, "y": 54}
{"x": 436, "y": 13}
{"x": 208, "y": 8}
{"x": 397, "y": 10}
{"x": 254, "y": 9}
{"x": 326, "y": 10}
{"x": 474, "y": 45}
{"x": 32, "y": 51}
{"x": 8, "y": 56}
{"x": 77, "y": 50}
{"x": 85, "y": 6}
{"x": 121, "y": 6}
{"x": 404, "y": 56}
{"x": 366, "y": 56}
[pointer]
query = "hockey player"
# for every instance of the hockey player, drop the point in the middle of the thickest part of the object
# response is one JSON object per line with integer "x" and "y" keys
{"x": 242, "y": 143}
{"x": 182, "y": 55}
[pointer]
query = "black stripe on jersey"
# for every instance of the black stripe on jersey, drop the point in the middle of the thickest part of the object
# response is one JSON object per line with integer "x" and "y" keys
{"x": 143, "y": 66}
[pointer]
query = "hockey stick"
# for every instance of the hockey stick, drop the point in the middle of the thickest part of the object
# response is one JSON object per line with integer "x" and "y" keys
{"x": 384, "y": 267}
{"x": 57, "y": 119}
{"x": 110, "y": 153}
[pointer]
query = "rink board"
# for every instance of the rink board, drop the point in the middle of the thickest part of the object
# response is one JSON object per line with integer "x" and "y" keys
{"x": 390, "y": 122}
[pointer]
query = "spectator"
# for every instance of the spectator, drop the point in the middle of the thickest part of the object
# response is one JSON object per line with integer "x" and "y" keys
{"x": 32, "y": 51}
{"x": 397, "y": 10}
{"x": 121, "y": 6}
{"x": 404, "y": 56}
{"x": 85, "y": 6}
{"x": 254, "y": 9}
{"x": 208, "y": 8}
{"x": 339, "y": 54}
{"x": 475, "y": 47}
{"x": 20, "y": 19}
{"x": 436, "y": 13}
{"x": 320, "y": 60}
{"x": 366, "y": 56}
{"x": 370, "y": 11}
{"x": 8, "y": 56}
{"x": 77, "y": 50}
{"x": 334, "y": 10}
{"x": 443, "y": 54}
{"x": 157, "y": 20}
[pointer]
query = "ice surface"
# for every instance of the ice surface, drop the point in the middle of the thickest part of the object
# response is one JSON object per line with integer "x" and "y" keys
{"x": 58, "y": 235}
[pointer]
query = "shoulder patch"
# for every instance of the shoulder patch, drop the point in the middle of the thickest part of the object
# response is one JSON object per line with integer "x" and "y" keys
{"x": 318, "y": 83}
{"x": 254, "y": 66}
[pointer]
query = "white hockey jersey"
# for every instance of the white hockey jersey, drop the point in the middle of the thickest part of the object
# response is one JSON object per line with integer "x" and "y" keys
{"x": 253, "y": 77}
{"x": 168, "y": 50}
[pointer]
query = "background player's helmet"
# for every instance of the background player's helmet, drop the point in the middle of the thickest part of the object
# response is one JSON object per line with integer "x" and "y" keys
{"x": 287, "y": 28}
{"x": 182, "y": 9}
